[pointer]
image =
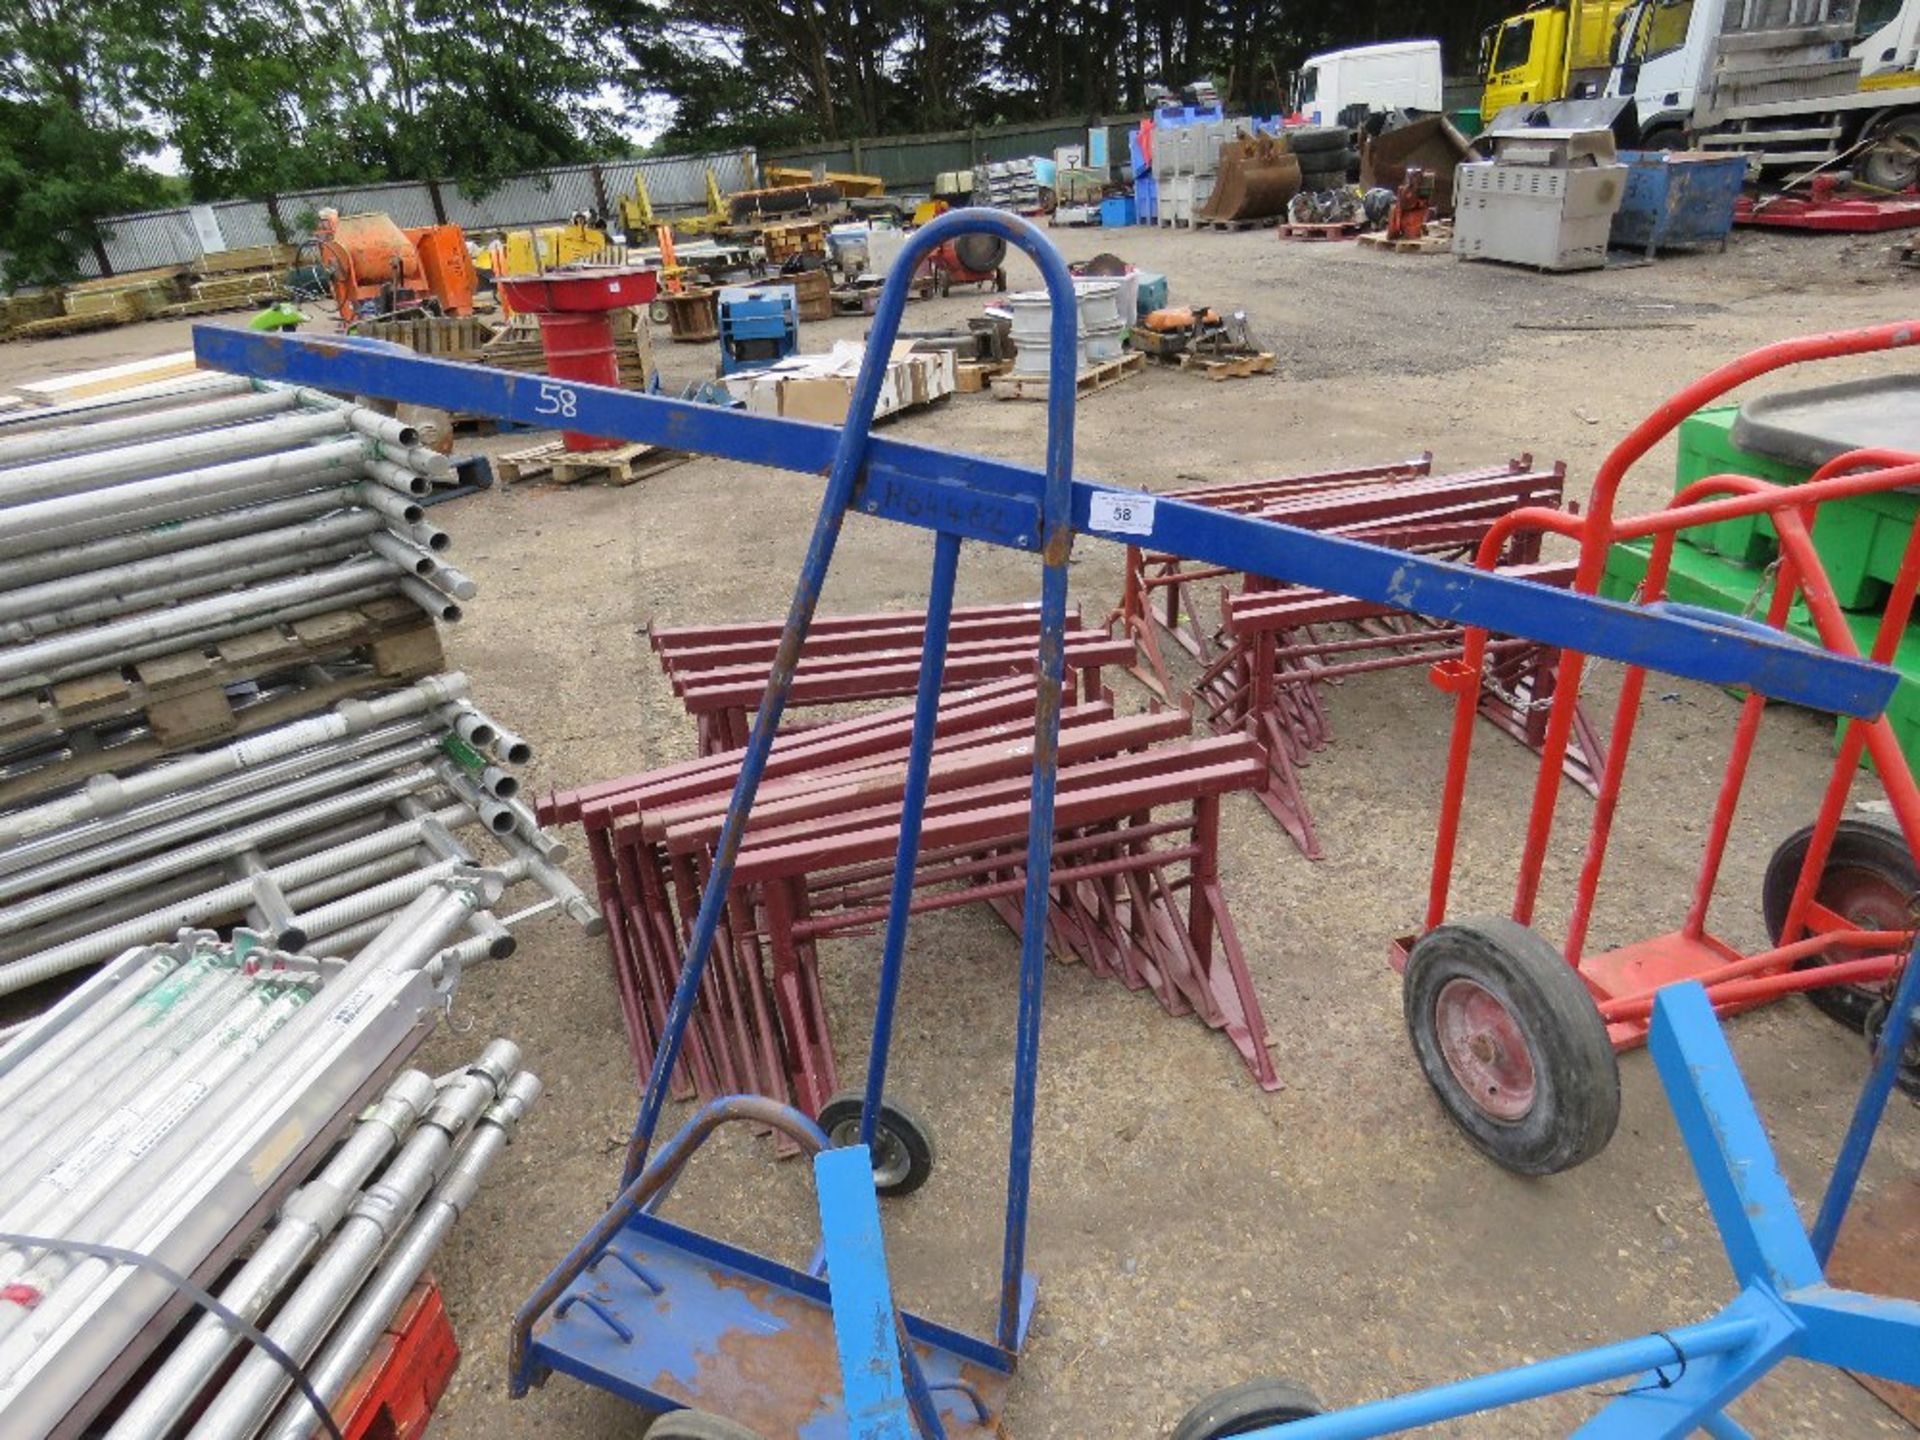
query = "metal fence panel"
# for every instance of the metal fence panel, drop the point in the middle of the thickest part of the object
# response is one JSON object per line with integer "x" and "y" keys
{"x": 408, "y": 202}
{"x": 141, "y": 242}
{"x": 245, "y": 223}
{"x": 535, "y": 199}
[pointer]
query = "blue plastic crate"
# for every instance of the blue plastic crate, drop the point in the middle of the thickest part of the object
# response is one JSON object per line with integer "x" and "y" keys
{"x": 1117, "y": 210}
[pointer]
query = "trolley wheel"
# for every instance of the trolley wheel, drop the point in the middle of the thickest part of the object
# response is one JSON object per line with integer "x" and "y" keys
{"x": 903, "y": 1152}
{"x": 697, "y": 1425}
{"x": 943, "y": 282}
{"x": 1907, "y": 1077}
{"x": 1242, "y": 1409}
{"x": 1000, "y": 279}
{"x": 1870, "y": 879}
{"x": 658, "y": 312}
{"x": 1513, "y": 1044}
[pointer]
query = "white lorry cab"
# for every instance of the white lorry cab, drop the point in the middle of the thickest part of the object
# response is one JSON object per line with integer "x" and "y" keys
{"x": 1400, "y": 75}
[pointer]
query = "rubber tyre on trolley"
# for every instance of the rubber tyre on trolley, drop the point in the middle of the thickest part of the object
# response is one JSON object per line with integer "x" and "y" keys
{"x": 903, "y": 1151}
{"x": 1247, "y": 1407}
{"x": 1869, "y": 879}
{"x": 1513, "y": 1045}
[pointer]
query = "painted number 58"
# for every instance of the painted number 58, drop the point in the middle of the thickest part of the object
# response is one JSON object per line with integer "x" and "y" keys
{"x": 557, "y": 400}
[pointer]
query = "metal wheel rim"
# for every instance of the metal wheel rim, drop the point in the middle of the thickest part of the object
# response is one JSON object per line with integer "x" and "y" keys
{"x": 1865, "y": 900}
{"x": 1485, "y": 1049}
{"x": 891, "y": 1162}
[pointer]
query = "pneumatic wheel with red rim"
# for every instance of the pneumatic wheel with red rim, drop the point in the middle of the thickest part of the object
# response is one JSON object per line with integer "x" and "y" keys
{"x": 1869, "y": 881}
{"x": 1513, "y": 1045}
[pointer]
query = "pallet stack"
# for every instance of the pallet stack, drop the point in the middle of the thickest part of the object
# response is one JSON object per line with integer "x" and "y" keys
{"x": 229, "y": 280}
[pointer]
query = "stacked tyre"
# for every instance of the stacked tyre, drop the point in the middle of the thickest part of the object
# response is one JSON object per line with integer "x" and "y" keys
{"x": 1326, "y": 155}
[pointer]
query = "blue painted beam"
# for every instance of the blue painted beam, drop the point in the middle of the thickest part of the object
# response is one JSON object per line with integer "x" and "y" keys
{"x": 998, "y": 501}
{"x": 875, "y": 1390}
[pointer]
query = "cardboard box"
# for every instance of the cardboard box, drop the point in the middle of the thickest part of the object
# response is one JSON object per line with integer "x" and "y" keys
{"x": 820, "y": 387}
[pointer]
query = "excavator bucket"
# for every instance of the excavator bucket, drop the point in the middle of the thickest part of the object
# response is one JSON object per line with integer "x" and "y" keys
{"x": 1256, "y": 179}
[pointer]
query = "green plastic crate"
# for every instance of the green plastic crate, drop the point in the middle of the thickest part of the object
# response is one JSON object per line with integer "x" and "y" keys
{"x": 1859, "y": 541}
{"x": 1697, "y": 578}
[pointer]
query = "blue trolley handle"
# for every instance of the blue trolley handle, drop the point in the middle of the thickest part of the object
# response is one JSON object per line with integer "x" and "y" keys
{"x": 1055, "y": 543}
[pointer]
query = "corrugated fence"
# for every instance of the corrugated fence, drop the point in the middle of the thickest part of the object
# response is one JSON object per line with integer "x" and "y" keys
{"x": 168, "y": 237}
{"x": 912, "y": 161}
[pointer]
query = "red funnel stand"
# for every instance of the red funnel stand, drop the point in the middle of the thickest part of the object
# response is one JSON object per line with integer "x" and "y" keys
{"x": 575, "y": 329}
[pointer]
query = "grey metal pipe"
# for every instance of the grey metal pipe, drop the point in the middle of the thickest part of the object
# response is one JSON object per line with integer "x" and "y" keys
{"x": 469, "y": 724}
{"x": 105, "y": 434}
{"x": 115, "y": 603}
{"x": 377, "y": 1216}
{"x": 351, "y": 882}
{"x": 309, "y": 1216}
{"x": 138, "y": 400}
{"x": 407, "y": 558}
{"x": 324, "y": 920}
{"x": 427, "y": 537}
{"x": 427, "y": 598}
{"x": 556, "y": 883}
{"x": 415, "y": 457}
{"x": 456, "y": 583}
{"x": 130, "y": 876}
{"x": 291, "y": 541}
{"x": 67, "y": 519}
{"x": 184, "y": 535}
{"x": 223, "y": 900}
{"x": 353, "y": 1339}
{"x": 200, "y": 798}
{"x": 26, "y": 666}
{"x": 398, "y": 508}
{"x": 397, "y": 478}
{"x": 502, "y": 816}
{"x": 85, "y": 474}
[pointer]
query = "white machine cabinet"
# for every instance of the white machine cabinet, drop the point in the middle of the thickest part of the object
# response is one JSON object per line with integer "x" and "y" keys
{"x": 1546, "y": 199}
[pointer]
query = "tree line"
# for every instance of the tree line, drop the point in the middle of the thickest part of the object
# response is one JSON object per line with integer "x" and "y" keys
{"x": 259, "y": 96}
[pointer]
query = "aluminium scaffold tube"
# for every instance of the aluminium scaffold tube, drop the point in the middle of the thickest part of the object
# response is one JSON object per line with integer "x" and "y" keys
{"x": 379, "y": 1214}
{"x": 78, "y": 476}
{"x": 309, "y": 1217}
{"x": 199, "y": 796}
{"x": 441, "y": 607}
{"x": 101, "y": 944}
{"x": 68, "y": 519}
{"x": 353, "y": 1339}
{"x": 105, "y": 434}
{"x": 292, "y": 542}
{"x": 372, "y": 794}
{"x": 200, "y": 530}
{"x": 118, "y": 603}
{"x": 155, "y": 395}
{"x": 323, "y": 921}
{"x": 238, "y": 1093}
{"x": 25, "y": 666}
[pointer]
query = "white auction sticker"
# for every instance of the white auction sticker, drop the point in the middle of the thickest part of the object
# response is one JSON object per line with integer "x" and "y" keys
{"x": 1121, "y": 512}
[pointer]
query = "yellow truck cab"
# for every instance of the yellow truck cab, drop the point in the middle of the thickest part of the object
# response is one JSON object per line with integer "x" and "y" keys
{"x": 1550, "y": 51}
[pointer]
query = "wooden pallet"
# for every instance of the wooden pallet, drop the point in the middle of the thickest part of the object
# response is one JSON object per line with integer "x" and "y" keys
{"x": 1438, "y": 241}
{"x": 1034, "y": 387}
{"x": 183, "y": 698}
{"x": 1215, "y": 367}
{"x": 1264, "y": 222}
{"x": 560, "y": 466}
{"x": 1341, "y": 230}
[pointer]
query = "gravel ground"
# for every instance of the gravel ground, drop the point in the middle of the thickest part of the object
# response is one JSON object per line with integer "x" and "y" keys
{"x": 1189, "y": 1231}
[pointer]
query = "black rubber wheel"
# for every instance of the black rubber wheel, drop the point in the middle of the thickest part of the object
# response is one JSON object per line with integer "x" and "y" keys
{"x": 697, "y": 1425}
{"x": 1513, "y": 1045}
{"x": 1242, "y": 1409}
{"x": 658, "y": 312}
{"x": 903, "y": 1152}
{"x": 1907, "y": 1077}
{"x": 1000, "y": 281}
{"x": 1893, "y": 163}
{"x": 1311, "y": 139}
{"x": 1870, "y": 878}
{"x": 1319, "y": 180}
{"x": 943, "y": 283}
{"x": 1665, "y": 137}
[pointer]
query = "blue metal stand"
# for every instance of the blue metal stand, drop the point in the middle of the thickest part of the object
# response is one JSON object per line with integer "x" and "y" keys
{"x": 1683, "y": 1380}
{"x": 672, "y": 1318}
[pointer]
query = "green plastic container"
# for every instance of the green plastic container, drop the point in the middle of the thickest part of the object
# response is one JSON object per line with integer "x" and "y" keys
{"x": 1697, "y": 578}
{"x": 1707, "y": 448}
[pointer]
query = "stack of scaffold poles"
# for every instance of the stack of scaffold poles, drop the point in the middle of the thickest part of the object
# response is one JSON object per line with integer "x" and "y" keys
{"x": 314, "y": 833}
{"x": 160, "y": 549}
{"x": 1264, "y": 664}
{"x": 1137, "y": 895}
{"x": 203, "y": 1103}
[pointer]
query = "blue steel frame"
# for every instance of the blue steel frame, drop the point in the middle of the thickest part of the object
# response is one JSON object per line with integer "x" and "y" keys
{"x": 968, "y": 497}
{"x": 1785, "y": 1309}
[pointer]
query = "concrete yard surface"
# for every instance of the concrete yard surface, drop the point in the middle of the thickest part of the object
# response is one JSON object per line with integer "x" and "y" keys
{"x": 1189, "y": 1231}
